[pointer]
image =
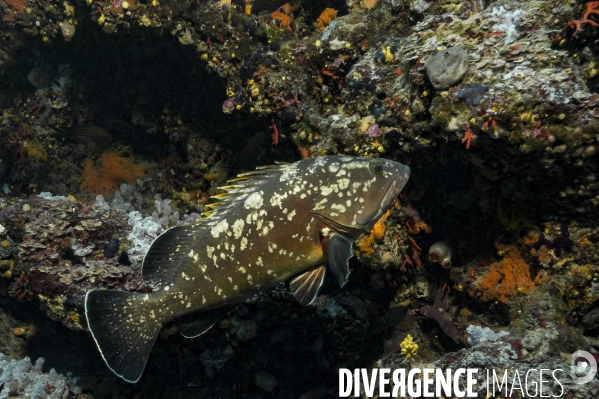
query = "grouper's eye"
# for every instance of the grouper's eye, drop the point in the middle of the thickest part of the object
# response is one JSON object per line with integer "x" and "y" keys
{"x": 376, "y": 167}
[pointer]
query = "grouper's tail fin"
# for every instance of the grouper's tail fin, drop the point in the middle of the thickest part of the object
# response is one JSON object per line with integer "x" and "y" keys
{"x": 124, "y": 329}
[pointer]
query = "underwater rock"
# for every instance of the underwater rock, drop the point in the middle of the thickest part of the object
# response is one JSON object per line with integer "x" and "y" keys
{"x": 20, "y": 376}
{"x": 473, "y": 93}
{"x": 111, "y": 248}
{"x": 447, "y": 67}
{"x": 266, "y": 381}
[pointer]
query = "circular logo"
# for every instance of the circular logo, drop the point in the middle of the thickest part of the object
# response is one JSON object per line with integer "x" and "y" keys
{"x": 583, "y": 367}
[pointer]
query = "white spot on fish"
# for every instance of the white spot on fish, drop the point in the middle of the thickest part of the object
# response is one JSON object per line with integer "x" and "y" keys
{"x": 254, "y": 201}
{"x": 220, "y": 227}
{"x": 339, "y": 207}
{"x": 334, "y": 167}
{"x": 238, "y": 228}
{"x": 326, "y": 190}
{"x": 277, "y": 199}
{"x": 209, "y": 251}
{"x": 259, "y": 261}
{"x": 244, "y": 243}
{"x": 185, "y": 276}
{"x": 291, "y": 215}
{"x": 343, "y": 183}
{"x": 242, "y": 269}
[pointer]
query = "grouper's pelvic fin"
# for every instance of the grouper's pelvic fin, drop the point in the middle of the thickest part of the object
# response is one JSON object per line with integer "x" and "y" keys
{"x": 124, "y": 330}
{"x": 198, "y": 323}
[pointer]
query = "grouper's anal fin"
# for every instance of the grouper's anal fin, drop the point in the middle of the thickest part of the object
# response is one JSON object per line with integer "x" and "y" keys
{"x": 305, "y": 286}
{"x": 124, "y": 329}
{"x": 338, "y": 250}
{"x": 167, "y": 254}
{"x": 196, "y": 324}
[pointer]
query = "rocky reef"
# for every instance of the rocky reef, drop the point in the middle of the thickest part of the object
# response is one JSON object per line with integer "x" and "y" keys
{"x": 119, "y": 119}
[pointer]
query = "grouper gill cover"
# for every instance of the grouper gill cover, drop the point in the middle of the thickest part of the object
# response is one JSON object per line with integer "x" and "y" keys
{"x": 277, "y": 223}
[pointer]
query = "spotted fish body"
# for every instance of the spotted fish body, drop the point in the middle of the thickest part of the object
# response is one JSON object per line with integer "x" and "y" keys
{"x": 278, "y": 223}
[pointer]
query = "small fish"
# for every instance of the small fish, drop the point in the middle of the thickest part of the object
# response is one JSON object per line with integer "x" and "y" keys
{"x": 88, "y": 135}
{"x": 278, "y": 223}
{"x": 39, "y": 78}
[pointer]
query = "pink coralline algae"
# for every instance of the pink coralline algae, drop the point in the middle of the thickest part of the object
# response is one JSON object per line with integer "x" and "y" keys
{"x": 229, "y": 105}
{"x": 373, "y": 130}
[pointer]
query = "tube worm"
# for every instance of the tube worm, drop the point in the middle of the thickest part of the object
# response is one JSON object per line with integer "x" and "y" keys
{"x": 440, "y": 252}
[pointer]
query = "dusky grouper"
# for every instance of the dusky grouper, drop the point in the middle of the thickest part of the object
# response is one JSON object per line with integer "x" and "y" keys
{"x": 277, "y": 223}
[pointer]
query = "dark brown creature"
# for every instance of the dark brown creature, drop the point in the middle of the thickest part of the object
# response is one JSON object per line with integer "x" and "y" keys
{"x": 87, "y": 135}
{"x": 287, "y": 222}
{"x": 39, "y": 78}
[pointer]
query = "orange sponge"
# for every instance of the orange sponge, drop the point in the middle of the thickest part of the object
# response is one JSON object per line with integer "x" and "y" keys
{"x": 114, "y": 171}
{"x": 508, "y": 277}
{"x": 326, "y": 17}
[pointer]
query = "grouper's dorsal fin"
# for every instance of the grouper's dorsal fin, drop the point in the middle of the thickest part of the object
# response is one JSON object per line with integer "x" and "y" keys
{"x": 238, "y": 189}
{"x": 168, "y": 253}
{"x": 169, "y": 250}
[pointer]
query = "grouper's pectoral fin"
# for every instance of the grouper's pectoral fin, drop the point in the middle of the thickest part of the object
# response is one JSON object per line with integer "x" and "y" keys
{"x": 196, "y": 324}
{"x": 338, "y": 250}
{"x": 305, "y": 286}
